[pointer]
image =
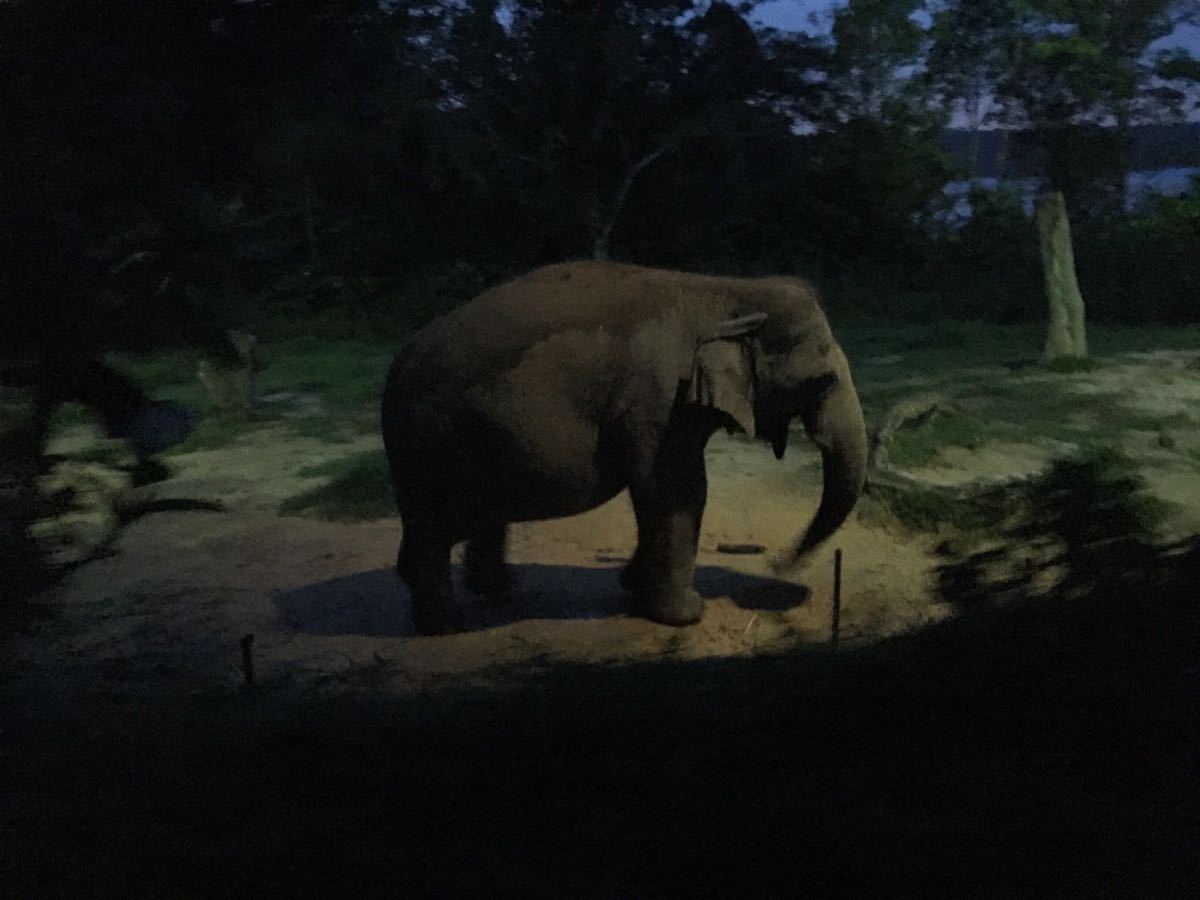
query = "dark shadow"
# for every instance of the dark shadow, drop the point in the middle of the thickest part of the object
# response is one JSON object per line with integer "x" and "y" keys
{"x": 1087, "y": 527}
{"x": 135, "y": 511}
{"x": 1042, "y": 743}
{"x": 377, "y": 603}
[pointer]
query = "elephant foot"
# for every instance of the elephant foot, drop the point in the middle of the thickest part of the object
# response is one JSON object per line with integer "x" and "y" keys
{"x": 676, "y": 608}
{"x": 438, "y": 618}
{"x": 491, "y": 582}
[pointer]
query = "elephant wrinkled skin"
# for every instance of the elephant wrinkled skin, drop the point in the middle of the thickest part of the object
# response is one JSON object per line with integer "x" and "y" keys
{"x": 548, "y": 395}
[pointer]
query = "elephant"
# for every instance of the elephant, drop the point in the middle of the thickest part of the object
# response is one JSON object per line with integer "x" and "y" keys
{"x": 548, "y": 395}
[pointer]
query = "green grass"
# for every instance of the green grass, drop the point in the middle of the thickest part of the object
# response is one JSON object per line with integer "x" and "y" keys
{"x": 347, "y": 375}
{"x": 914, "y": 447}
{"x": 921, "y": 509}
{"x": 357, "y": 488}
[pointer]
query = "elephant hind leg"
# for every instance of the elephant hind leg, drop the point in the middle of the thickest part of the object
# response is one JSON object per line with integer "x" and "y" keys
{"x": 424, "y": 564}
{"x": 484, "y": 560}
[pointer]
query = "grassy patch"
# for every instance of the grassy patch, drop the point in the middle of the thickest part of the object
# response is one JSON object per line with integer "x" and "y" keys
{"x": 359, "y": 487}
{"x": 914, "y": 447}
{"x": 347, "y": 375}
{"x": 1050, "y": 409}
{"x": 933, "y": 510}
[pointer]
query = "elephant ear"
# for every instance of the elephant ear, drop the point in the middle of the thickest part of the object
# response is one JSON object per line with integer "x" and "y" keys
{"x": 722, "y": 373}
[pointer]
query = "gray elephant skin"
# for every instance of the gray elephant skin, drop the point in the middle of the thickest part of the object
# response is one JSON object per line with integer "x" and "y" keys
{"x": 548, "y": 395}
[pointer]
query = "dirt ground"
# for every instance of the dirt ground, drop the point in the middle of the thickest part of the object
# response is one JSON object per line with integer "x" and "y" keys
{"x": 181, "y": 589}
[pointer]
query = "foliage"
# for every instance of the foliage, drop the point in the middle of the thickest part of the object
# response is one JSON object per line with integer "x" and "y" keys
{"x": 875, "y": 41}
{"x": 1086, "y": 528}
{"x": 1144, "y": 266}
{"x": 176, "y": 170}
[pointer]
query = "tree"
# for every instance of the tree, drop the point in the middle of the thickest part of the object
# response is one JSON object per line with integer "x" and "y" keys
{"x": 877, "y": 45}
{"x": 570, "y": 105}
{"x": 966, "y": 61}
{"x": 1066, "y": 337}
{"x": 875, "y": 168}
{"x": 1085, "y": 63}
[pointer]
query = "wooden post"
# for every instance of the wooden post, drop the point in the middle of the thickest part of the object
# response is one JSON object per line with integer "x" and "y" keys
{"x": 837, "y": 596}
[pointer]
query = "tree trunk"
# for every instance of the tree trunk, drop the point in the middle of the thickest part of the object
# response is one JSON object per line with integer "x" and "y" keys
{"x": 1065, "y": 337}
{"x": 603, "y": 231}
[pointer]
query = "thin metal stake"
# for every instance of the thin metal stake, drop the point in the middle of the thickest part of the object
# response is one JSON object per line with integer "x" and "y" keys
{"x": 837, "y": 596}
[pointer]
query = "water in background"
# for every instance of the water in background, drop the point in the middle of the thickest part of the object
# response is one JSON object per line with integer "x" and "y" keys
{"x": 1140, "y": 187}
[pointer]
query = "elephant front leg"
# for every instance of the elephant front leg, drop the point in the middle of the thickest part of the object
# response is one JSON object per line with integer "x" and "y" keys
{"x": 672, "y": 598}
{"x": 669, "y": 509}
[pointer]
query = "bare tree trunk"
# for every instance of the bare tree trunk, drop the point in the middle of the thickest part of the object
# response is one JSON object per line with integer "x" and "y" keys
{"x": 1065, "y": 337}
{"x": 603, "y": 238}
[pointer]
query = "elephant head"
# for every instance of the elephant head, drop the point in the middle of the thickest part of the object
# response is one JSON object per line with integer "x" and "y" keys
{"x": 764, "y": 369}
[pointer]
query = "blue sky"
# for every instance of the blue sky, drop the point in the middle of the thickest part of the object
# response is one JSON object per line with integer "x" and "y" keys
{"x": 814, "y": 16}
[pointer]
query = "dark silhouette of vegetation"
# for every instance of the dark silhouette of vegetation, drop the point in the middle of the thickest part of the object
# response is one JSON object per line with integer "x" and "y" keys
{"x": 1086, "y": 529}
{"x": 229, "y": 164}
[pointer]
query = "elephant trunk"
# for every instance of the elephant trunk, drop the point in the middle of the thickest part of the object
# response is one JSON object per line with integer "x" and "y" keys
{"x": 837, "y": 427}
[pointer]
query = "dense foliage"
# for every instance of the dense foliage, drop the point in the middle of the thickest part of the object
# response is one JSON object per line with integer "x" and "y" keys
{"x": 171, "y": 169}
